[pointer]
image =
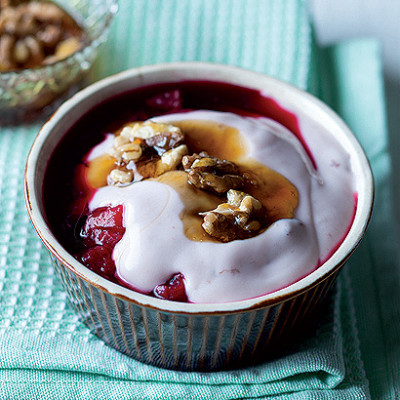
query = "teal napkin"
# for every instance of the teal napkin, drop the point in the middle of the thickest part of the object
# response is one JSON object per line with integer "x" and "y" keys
{"x": 46, "y": 352}
{"x": 356, "y": 92}
{"x": 59, "y": 366}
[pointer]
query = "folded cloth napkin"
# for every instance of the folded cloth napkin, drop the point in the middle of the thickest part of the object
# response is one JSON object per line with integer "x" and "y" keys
{"x": 325, "y": 365}
{"x": 374, "y": 270}
{"x": 46, "y": 352}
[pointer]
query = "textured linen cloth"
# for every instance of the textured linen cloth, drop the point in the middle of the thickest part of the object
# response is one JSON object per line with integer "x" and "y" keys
{"x": 375, "y": 268}
{"x": 46, "y": 352}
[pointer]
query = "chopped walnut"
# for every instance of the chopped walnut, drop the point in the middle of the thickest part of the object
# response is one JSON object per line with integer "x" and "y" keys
{"x": 47, "y": 12}
{"x": 165, "y": 141}
{"x": 50, "y": 36}
{"x": 148, "y": 149}
{"x": 67, "y": 47}
{"x": 212, "y": 174}
{"x": 171, "y": 159}
{"x": 243, "y": 216}
{"x": 149, "y": 129}
{"x": 118, "y": 177}
{"x": 36, "y": 54}
{"x": 130, "y": 151}
{"x": 35, "y": 33}
{"x": 6, "y": 48}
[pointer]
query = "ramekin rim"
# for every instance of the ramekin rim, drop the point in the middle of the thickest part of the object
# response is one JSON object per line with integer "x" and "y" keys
{"x": 311, "y": 280}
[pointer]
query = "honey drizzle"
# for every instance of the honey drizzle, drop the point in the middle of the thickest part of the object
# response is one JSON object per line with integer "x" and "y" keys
{"x": 278, "y": 195}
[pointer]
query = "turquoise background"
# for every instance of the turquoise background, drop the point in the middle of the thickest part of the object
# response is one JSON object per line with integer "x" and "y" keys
{"x": 46, "y": 352}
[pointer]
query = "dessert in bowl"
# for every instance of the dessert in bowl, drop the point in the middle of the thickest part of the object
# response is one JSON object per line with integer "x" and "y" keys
{"x": 196, "y": 212}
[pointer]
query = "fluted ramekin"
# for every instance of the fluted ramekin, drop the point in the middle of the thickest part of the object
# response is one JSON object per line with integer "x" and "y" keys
{"x": 190, "y": 336}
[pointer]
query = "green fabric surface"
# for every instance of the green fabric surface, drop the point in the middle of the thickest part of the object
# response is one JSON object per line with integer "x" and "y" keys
{"x": 46, "y": 352}
{"x": 375, "y": 268}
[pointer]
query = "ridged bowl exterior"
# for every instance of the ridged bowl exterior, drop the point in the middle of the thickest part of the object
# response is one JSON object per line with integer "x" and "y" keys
{"x": 184, "y": 341}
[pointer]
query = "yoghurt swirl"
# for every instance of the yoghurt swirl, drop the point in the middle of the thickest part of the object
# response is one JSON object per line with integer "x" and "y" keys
{"x": 155, "y": 246}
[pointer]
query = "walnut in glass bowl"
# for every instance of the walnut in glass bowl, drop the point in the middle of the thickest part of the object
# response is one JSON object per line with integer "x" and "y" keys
{"x": 46, "y": 49}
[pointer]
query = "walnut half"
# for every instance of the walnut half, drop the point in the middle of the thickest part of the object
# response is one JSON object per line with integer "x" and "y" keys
{"x": 243, "y": 216}
{"x": 212, "y": 174}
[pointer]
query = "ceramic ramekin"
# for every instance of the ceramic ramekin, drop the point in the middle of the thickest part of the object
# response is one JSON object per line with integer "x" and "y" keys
{"x": 189, "y": 336}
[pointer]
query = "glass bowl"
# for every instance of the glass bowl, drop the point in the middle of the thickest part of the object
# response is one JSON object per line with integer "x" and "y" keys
{"x": 27, "y": 93}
